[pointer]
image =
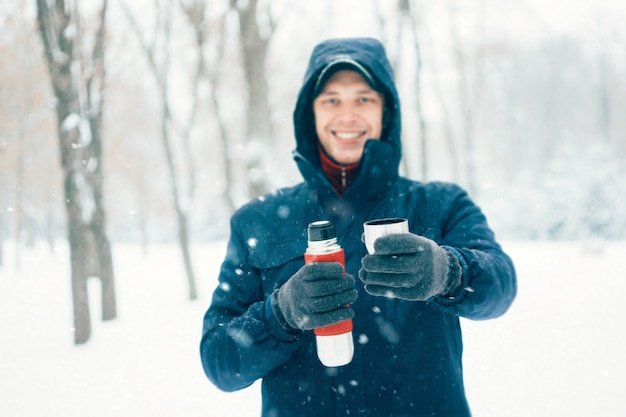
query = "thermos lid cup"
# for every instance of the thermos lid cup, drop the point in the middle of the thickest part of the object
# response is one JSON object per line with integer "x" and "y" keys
{"x": 374, "y": 229}
{"x": 321, "y": 230}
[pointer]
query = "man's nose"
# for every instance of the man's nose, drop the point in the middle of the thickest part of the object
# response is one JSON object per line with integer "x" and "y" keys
{"x": 348, "y": 111}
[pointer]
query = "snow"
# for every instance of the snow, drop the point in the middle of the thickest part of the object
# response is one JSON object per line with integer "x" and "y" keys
{"x": 71, "y": 122}
{"x": 559, "y": 351}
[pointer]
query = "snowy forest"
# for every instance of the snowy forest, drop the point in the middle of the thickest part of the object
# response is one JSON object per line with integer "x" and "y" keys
{"x": 190, "y": 103}
{"x": 130, "y": 126}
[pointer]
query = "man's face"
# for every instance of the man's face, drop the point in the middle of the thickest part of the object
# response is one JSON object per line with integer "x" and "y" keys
{"x": 347, "y": 113}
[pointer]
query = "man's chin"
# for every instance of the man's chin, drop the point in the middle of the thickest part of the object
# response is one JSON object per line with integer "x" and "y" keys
{"x": 348, "y": 159}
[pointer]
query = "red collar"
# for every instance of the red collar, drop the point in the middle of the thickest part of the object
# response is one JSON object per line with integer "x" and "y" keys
{"x": 340, "y": 176}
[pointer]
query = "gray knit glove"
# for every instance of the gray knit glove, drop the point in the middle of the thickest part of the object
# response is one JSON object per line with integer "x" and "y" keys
{"x": 410, "y": 267}
{"x": 315, "y": 296}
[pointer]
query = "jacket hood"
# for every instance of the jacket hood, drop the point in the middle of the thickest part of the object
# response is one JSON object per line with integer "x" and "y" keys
{"x": 381, "y": 158}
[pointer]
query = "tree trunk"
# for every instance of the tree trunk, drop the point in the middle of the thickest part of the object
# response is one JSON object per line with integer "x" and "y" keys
{"x": 160, "y": 71}
{"x": 605, "y": 98}
{"x": 79, "y": 114}
{"x": 18, "y": 205}
{"x": 181, "y": 214}
{"x": 465, "y": 101}
{"x": 259, "y": 128}
{"x": 408, "y": 14}
{"x": 196, "y": 13}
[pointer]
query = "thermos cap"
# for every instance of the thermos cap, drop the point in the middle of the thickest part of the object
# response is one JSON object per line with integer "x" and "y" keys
{"x": 321, "y": 230}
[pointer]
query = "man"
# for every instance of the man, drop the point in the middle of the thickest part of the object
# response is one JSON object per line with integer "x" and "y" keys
{"x": 413, "y": 289}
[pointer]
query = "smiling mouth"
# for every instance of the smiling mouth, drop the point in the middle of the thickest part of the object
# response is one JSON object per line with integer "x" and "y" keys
{"x": 348, "y": 135}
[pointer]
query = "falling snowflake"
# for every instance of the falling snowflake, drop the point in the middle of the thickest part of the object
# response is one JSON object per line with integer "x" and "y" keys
{"x": 283, "y": 211}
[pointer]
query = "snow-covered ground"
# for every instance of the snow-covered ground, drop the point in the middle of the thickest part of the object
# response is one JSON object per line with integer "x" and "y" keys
{"x": 559, "y": 351}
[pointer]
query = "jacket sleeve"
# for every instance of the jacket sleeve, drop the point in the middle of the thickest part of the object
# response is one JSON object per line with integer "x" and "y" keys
{"x": 241, "y": 339}
{"x": 488, "y": 274}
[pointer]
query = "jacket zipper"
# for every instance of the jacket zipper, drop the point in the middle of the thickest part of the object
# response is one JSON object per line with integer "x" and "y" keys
{"x": 344, "y": 179}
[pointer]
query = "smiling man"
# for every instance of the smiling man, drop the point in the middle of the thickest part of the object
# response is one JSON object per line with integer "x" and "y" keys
{"x": 348, "y": 110}
{"x": 414, "y": 287}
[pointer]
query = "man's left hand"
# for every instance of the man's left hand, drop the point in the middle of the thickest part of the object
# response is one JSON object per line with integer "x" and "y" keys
{"x": 410, "y": 267}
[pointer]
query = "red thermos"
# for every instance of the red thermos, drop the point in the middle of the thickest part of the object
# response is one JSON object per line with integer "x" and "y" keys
{"x": 335, "y": 346}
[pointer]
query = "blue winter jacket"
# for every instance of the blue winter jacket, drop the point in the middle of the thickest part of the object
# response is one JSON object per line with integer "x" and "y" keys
{"x": 407, "y": 359}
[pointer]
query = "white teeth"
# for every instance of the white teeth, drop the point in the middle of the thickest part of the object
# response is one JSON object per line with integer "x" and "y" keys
{"x": 345, "y": 135}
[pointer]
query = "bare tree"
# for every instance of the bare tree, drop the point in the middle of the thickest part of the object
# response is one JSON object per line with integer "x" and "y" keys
{"x": 255, "y": 41}
{"x": 157, "y": 52}
{"x": 404, "y": 8}
{"x": 604, "y": 94}
{"x": 24, "y": 130}
{"x": 465, "y": 100}
{"x": 18, "y": 208}
{"x": 195, "y": 10}
{"x": 77, "y": 72}
{"x": 447, "y": 130}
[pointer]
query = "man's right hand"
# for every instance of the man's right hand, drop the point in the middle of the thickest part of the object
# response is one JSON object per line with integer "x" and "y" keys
{"x": 317, "y": 295}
